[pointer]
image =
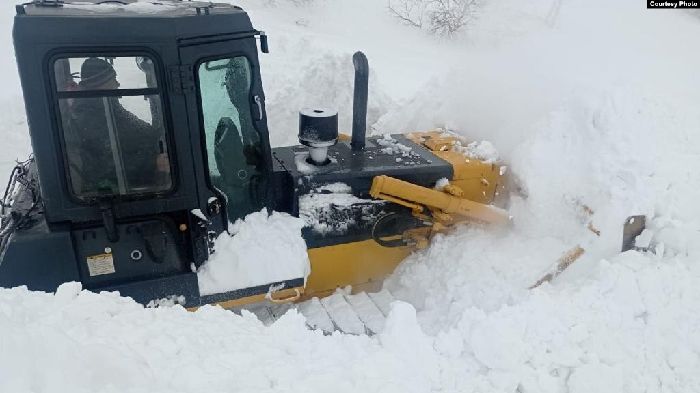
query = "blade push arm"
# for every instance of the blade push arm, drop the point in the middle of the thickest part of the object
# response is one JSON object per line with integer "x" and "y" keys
{"x": 446, "y": 205}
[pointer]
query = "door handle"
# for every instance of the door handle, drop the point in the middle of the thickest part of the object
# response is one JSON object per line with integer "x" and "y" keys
{"x": 258, "y": 101}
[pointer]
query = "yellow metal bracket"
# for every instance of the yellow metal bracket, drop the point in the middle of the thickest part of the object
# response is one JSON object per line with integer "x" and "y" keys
{"x": 282, "y": 300}
{"x": 442, "y": 204}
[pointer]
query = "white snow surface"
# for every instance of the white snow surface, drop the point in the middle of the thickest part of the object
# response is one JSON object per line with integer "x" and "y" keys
{"x": 139, "y": 7}
{"x": 262, "y": 249}
{"x": 80, "y": 342}
{"x": 442, "y": 183}
{"x": 482, "y": 150}
{"x": 589, "y": 103}
{"x": 320, "y": 208}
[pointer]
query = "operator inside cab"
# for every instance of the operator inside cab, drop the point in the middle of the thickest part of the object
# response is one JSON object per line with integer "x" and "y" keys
{"x": 234, "y": 145}
{"x": 112, "y": 150}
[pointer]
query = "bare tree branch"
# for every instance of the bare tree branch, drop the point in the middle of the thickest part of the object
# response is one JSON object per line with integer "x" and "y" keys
{"x": 439, "y": 17}
{"x": 407, "y": 11}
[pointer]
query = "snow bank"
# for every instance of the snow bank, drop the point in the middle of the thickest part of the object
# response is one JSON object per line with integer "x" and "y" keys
{"x": 320, "y": 78}
{"x": 262, "y": 249}
{"x": 80, "y": 342}
{"x": 620, "y": 152}
{"x": 310, "y": 60}
{"x": 595, "y": 125}
{"x": 524, "y": 59}
{"x": 631, "y": 327}
{"x": 596, "y": 130}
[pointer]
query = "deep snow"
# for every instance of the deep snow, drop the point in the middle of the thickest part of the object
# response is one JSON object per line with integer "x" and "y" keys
{"x": 592, "y": 104}
{"x": 261, "y": 249}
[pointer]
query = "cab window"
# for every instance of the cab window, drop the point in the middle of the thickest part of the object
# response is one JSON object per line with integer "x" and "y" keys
{"x": 112, "y": 126}
{"x": 233, "y": 144}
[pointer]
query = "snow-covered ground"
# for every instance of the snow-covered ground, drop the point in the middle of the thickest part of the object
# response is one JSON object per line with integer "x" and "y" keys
{"x": 592, "y": 104}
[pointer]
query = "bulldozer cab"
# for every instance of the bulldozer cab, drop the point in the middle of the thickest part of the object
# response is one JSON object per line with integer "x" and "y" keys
{"x": 147, "y": 122}
{"x": 119, "y": 112}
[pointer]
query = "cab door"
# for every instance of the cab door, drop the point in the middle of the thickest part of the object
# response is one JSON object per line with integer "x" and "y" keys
{"x": 226, "y": 108}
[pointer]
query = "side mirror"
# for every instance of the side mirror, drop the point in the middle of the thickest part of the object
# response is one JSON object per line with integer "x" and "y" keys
{"x": 264, "y": 48}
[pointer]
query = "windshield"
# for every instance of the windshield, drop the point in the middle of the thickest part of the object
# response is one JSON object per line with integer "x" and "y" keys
{"x": 112, "y": 122}
{"x": 233, "y": 144}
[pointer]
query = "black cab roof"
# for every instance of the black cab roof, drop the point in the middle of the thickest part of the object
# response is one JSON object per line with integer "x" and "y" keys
{"x": 124, "y": 8}
{"x": 124, "y": 21}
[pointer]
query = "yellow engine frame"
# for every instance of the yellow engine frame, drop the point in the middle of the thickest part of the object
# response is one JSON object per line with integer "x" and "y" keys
{"x": 480, "y": 181}
{"x": 365, "y": 264}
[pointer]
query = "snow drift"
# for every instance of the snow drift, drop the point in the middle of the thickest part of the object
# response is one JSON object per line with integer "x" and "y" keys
{"x": 630, "y": 327}
{"x": 80, "y": 342}
{"x": 262, "y": 249}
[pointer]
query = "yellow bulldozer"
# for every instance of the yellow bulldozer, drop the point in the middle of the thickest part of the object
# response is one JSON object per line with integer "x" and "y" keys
{"x": 150, "y": 136}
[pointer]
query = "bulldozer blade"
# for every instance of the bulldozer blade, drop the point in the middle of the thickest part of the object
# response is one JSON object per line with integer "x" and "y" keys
{"x": 634, "y": 226}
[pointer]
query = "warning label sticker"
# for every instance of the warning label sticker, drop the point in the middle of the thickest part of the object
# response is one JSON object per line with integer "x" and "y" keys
{"x": 100, "y": 264}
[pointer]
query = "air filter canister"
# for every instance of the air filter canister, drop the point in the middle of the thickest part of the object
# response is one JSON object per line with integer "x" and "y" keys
{"x": 318, "y": 127}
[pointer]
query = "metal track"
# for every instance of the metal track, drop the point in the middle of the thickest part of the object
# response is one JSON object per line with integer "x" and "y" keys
{"x": 361, "y": 313}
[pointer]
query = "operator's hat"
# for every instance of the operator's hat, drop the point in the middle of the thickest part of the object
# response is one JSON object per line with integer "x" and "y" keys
{"x": 95, "y": 72}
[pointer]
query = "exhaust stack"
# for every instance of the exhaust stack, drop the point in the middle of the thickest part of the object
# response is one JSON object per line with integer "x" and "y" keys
{"x": 359, "y": 106}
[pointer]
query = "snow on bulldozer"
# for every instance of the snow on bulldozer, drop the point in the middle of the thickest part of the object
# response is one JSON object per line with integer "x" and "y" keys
{"x": 150, "y": 139}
